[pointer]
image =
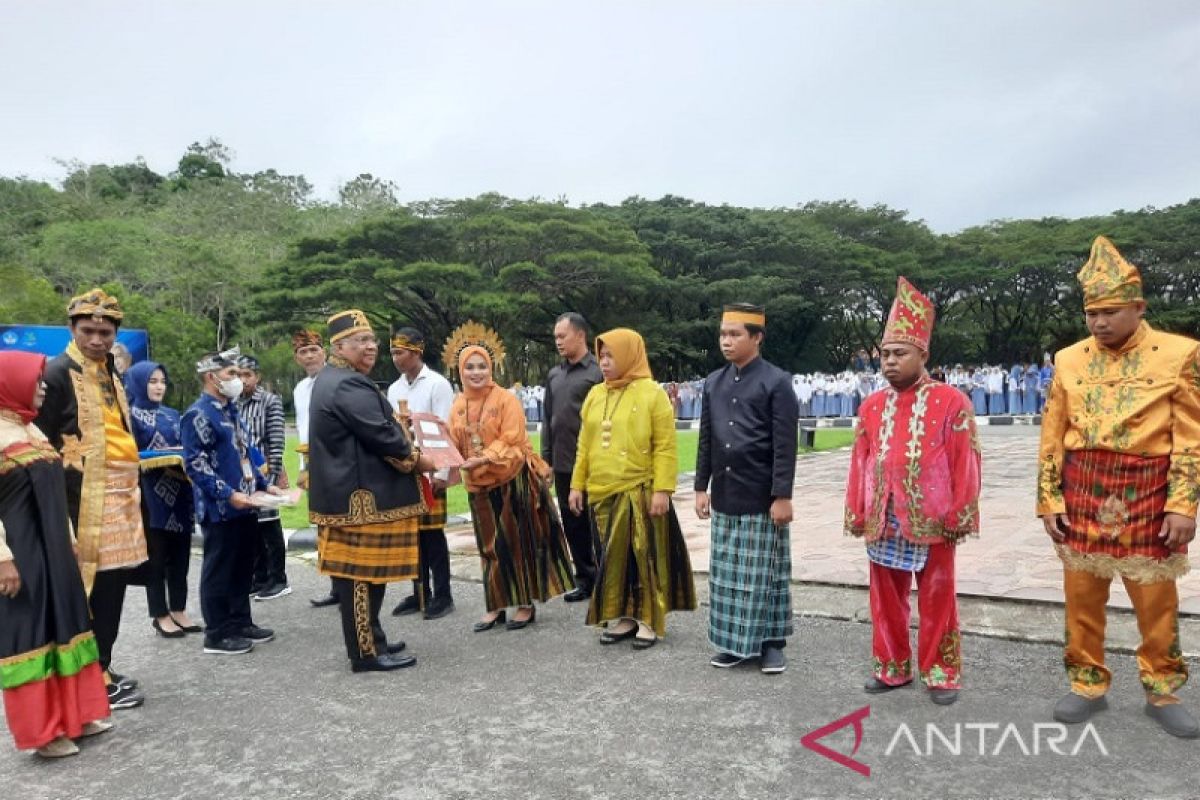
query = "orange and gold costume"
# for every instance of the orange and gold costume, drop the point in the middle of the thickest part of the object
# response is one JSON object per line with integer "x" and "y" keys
{"x": 1120, "y": 444}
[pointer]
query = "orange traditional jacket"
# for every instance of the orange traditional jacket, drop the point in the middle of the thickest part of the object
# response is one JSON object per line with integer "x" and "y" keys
{"x": 502, "y": 428}
{"x": 918, "y": 451}
{"x": 1142, "y": 400}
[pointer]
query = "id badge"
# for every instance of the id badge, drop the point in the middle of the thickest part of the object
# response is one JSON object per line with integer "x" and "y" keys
{"x": 247, "y": 471}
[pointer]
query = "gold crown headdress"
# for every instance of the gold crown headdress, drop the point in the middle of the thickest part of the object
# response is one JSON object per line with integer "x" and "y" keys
{"x": 468, "y": 334}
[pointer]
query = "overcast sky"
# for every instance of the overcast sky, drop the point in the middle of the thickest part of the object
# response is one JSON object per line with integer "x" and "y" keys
{"x": 959, "y": 112}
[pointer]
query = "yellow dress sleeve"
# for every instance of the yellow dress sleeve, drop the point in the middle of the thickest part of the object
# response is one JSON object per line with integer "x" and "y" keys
{"x": 583, "y": 451}
{"x": 1052, "y": 451}
{"x": 1183, "y": 479}
{"x": 664, "y": 454}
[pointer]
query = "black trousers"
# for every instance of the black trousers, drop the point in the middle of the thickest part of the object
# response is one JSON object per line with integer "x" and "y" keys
{"x": 583, "y": 542}
{"x": 359, "y": 603}
{"x": 106, "y": 601}
{"x": 434, "y": 552}
{"x": 170, "y": 556}
{"x": 270, "y": 554}
{"x": 225, "y": 575}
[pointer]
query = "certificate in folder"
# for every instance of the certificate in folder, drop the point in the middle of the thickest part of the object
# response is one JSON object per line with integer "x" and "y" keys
{"x": 433, "y": 437}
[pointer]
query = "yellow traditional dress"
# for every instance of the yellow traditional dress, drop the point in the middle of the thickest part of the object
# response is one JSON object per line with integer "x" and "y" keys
{"x": 626, "y": 453}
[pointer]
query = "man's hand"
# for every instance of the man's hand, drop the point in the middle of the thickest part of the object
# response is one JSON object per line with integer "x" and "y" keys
{"x": 275, "y": 490}
{"x": 575, "y": 502}
{"x": 282, "y": 481}
{"x": 439, "y": 484}
{"x": 1177, "y": 531}
{"x": 660, "y": 504}
{"x": 10, "y": 579}
{"x": 703, "y": 506}
{"x": 781, "y": 511}
{"x": 240, "y": 501}
{"x": 425, "y": 464}
{"x": 1057, "y": 526}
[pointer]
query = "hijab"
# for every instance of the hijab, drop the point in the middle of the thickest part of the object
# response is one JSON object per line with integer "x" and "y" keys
{"x": 137, "y": 379}
{"x": 20, "y": 373}
{"x": 468, "y": 390}
{"x": 628, "y": 355}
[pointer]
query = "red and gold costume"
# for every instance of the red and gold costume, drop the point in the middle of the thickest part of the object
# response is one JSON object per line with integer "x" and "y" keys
{"x": 913, "y": 494}
{"x": 1120, "y": 448}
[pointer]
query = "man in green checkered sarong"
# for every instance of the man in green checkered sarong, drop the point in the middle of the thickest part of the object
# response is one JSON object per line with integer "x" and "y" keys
{"x": 748, "y": 452}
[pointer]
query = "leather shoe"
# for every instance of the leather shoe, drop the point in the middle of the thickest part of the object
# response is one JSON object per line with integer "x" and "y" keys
{"x": 384, "y": 663}
{"x": 876, "y": 686}
{"x": 608, "y": 637}
{"x": 323, "y": 601}
{"x": 409, "y": 605}
{"x": 577, "y": 595}
{"x": 517, "y": 624}
{"x": 178, "y": 633}
{"x": 480, "y": 627}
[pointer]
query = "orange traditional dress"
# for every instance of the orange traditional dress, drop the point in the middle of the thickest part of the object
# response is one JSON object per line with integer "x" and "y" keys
{"x": 913, "y": 494}
{"x": 517, "y": 529}
{"x": 1120, "y": 446}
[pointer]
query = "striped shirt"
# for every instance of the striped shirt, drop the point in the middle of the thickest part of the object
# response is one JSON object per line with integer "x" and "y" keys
{"x": 262, "y": 412}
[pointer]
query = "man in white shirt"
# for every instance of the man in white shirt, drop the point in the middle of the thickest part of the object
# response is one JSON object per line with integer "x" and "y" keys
{"x": 308, "y": 349}
{"x": 426, "y": 392}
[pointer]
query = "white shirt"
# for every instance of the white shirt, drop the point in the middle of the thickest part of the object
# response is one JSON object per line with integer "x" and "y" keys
{"x": 301, "y": 397}
{"x": 429, "y": 393}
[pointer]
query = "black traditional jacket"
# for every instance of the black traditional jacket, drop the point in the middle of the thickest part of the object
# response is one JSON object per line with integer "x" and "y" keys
{"x": 360, "y": 459}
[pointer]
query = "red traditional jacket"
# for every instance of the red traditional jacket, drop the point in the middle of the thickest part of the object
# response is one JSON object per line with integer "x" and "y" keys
{"x": 917, "y": 450}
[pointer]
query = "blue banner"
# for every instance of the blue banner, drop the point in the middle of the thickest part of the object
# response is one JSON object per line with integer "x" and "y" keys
{"x": 50, "y": 340}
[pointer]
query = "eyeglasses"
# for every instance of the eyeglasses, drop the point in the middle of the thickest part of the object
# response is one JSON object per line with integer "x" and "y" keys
{"x": 363, "y": 340}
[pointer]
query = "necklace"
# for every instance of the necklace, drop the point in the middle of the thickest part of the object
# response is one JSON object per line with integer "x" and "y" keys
{"x": 473, "y": 428}
{"x": 606, "y": 421}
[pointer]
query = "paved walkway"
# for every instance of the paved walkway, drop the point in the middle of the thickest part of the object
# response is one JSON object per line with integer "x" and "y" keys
{"x": 1012, "y": 558}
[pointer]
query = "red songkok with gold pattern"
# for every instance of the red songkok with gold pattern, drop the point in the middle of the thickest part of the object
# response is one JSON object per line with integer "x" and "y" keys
{"x": 911, "y": 318}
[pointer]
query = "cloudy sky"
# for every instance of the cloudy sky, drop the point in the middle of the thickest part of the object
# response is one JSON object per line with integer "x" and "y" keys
{"x": 958, "y": 111}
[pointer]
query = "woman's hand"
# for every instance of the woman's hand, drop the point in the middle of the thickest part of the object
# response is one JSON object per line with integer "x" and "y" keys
{"x": 660, "y": 504}
{"x": 575, "y": 502}
{"x": 10, "y": 579}
{"x": 473, "y": 462}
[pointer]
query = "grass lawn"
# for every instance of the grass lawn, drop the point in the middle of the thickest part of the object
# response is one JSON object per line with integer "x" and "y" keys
{"x": 456, "y": 499}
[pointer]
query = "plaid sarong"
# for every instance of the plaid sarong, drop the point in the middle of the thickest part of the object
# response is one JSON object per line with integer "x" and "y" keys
{"x": 435, "y": 518}
{"x": 750, "y": 568}
{"x": 379, "y": 552}
{"x": 895, "y": 552}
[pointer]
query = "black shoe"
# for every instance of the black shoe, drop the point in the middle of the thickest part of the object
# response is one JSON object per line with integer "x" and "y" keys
{"x": 772, "y": 661}
{"x": 517, "y": 624}
{"x": 1175, "y": 720}
{"x": 1075, "y": 708}
{"x": 480, "y": 627}
{"x": 123, "y": 680}
{"x": 608, "y": 637}
{"x": 726, "y": 660}
{"x": 384, "y": 663}
{"x": 120, "y": 696}
{"x": 229, "y": 646}
{"x": 876, "y": 686}
{"x": 179, "y": 633}
{"x": 439, "y": 607}
{"x": 187, "y": 628}
{"x": 255, "y": 588}
{"x": 644, "y": 644}
{"x": 257, "y": 635}
{"x": 943, "y": 697}
{"x": 324, "y": 600}
{"x": 577, "y": 595}
{"x": 272, "y": 592}
{"x": 397, "y": 647}
{"x": 409, "y": 605}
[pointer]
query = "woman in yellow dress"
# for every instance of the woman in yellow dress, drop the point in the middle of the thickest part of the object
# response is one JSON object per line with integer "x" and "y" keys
{"x": 518, "y": 532}
{"x": 627, "y": 465}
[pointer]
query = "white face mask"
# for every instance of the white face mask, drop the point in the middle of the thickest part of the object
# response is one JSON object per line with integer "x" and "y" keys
{"x": 231, "y": 388}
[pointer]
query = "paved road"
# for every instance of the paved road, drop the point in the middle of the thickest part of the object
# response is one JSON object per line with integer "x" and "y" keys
{"x": 549, "y": 713}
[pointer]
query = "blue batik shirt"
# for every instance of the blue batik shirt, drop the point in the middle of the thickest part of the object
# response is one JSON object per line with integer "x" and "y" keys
{"x": 166, "y": 491}
{"x": 214, "y": 444}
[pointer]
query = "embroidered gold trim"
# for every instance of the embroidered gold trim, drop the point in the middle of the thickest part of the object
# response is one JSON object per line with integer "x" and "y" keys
{"x": 1140, "y": 569}
{"x": 364, "y": 512}
{"x": 362, "y": 620}
{"x": 46, "y": 648}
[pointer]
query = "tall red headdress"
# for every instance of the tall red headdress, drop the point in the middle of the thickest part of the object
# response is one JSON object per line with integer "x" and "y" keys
{"x": 911, "y": 318}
